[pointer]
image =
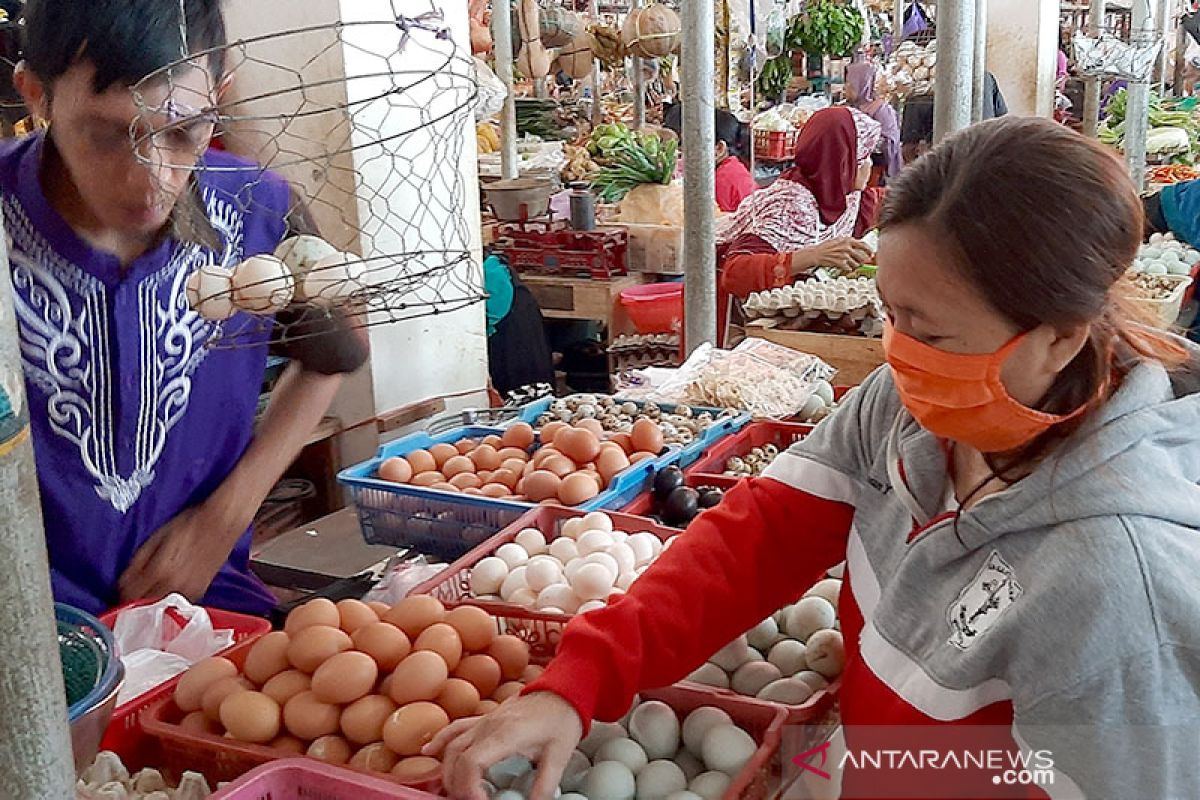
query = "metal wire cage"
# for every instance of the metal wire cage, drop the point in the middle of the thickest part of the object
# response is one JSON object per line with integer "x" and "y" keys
{"x": 350, "y": 137}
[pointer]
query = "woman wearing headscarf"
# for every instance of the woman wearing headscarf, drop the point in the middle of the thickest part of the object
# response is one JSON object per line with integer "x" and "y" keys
{"x": 861, "y": 79}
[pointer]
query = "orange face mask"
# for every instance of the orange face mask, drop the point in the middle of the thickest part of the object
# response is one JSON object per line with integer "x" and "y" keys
{"x": 960, "y": 396}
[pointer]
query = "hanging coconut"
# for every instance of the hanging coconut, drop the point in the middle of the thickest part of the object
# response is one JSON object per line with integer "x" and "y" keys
{"x": 651, "y": 32}
{"x": 559, "y": 27}
{"x": 576, "y": 59}
{"x": 533, "y": 59}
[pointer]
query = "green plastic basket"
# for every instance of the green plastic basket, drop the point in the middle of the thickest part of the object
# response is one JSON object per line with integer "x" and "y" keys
{"x": 90, "y": 664}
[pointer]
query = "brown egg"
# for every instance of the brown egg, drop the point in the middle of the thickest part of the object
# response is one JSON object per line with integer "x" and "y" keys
{"x": 532, "y": 673}
{"x": 385, "y": 686}
{"x": 414, "y": 614}
{"x": 496, "y": 491}
{"x": 428, "y": 479}
{"x": 485, "y": 477}
{"x": 578, "y": 444}
{"x": 250, "y": 717}
{"x": 383, "y": 642}
{"x": 530, "y": 468}
{"x": 506, "y": 478}
{"x": 611, "y": 462}
{"x": 288, "y": 744}
{"x": 473, "y": 492}
{"x": 458, "y": 698}
{"x": 514, "y": 465}
{"x": 512, "y": 454}
{"x": 419, "y": 677}
{"x": 311, "y": 647}
{"x": 445, "y": 487}
{"x": 494, "y": 442}
{"x": 315, "y": 612}
{"x": 379, "y": 607}
{"x": 308, "y": 718}
{"x": 216, "y": 694}
{"x": 195, "y": 682}
{"x": 592, "y": 425}
{"x": 624, "y": 441}
{"x": 413, "y": 726}
{"x": 550, "y": 430}
{"x": 416, "y": 770}
{"x": 443, "y": 640}
{"x": 485, "y": 457}
{"x": 466, "y": 481}
{"x": 512, "y": 654}
{"x": 638, "y": 458}
{"x": 196, "y": 722}
{"x": 354, "y": 614}
{"x": 362, "y": 720}
{"x": 518, "y": 435}
{"x": 578, "y": 488}
{"x": 559, "y": 465}
{"x": 540, "y": 485}
{"x": 465, "y": 446}
{"x": 540, "y": 456}
{"x": 396, "y": 470}
{"x": 457, "y": 466}
{"x": 375, "y": 757}
{"x": 476, "y": 628}
{"x": 331, "y": 750}
{"x": 286, "y": 685}
{"x": 345, "y": 678}
{"x": 482, "y": 672}
{"x": 647, "y": 437}
{"x": 267, "y": 657}
{"x": 442, "y": 453}
{"x": 421, "y": 461}
{"x": 486, "y": 707}
{"x": 508, "y": 691}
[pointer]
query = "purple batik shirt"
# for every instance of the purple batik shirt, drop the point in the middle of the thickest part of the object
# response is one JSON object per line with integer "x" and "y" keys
{"x": 135, "y": 418}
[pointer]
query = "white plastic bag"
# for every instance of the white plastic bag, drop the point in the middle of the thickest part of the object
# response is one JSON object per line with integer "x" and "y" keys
{"x": 492, "y": 91}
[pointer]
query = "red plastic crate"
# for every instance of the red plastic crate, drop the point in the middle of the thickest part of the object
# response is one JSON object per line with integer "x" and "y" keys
{"x": 757, "y": 434}
{"x": 808, "y": 711}
{"x": 643, "y": 506}
{"x": 775, "y": 145}
{"x": 124, "y": 735}
{"x": 540, "y": 630}
{"x": 220, "y": 759}
{"x": 308, "y": 779}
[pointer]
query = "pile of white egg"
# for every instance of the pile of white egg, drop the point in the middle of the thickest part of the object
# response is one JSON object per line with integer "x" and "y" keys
{"x": 1165, "y": 255}
{"x": 787, "y": 657}
{"x": 649, "y": 755}
{"x": 108, "y": 779}
{"x": 574, "y": 573}
{"x": 303, "y": 268}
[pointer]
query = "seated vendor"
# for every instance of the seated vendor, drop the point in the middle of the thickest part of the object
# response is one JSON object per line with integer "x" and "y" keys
{"x": 1176, "y": 210}
{"x": 734, "y": 182}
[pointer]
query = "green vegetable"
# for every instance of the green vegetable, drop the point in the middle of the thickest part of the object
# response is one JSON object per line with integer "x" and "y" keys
{"x": 775, "y": 77}
{"x": 635, "y": 160}
{"x": 826, "y": 27}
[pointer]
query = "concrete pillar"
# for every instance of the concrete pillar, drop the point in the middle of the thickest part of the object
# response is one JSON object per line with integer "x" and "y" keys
{"x": 699, "y": 165}
{"x": 502, "y": 36}
{"x": 1091, "y": 98}
{"x": 980, "y": 68}
{"x": 1022, "y": 39}
{"x": 956, "y": 64}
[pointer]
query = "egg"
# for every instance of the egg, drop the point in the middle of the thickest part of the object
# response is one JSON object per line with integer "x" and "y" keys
{"x": 251, "y": 717}
{"x": 594, "y": 541}
{"x": 788, "y": 691}
{"x": 578, "y": 488}
{"x": 196, "y": 722}
{"x": 301, "y": 253}
{"x": 375, "y": 757}
{"x": 443, "y": 640}
{"x": 655, "y": 727}
{"x": 421, "y": 461}
{"x": 308, "y": 718}
{"x": 647, "y": 436}
{"x": 600, "y": 733}
{"x": 578, "y": 444}
{"x": 486, "y": 457}
{"x": 442, "y": 454}
{"x": 624, "y": 441}
{"x": 412, "y": 770}
{"x": 512, "y": 554}
{"x": 753, "y": 677}
{"x": 592, "y": 582}
{"x": 511, "y": 654}
{"x": 262, "y": 285}
{"x": 710, "y": 675}
{"x": 592, "y": 425}
{"x": 315, "y": 612}
{"x": 383, "y": 642}
{"x": 611, "y": 462}
{"x": 710, "y": 785}
{"x": 217, "y": 693}
{"x": 518, "y": 435}
{"x": 288, "y": 744}
{"x": 311, "y": 647}
{"x": 465, "y": 446}
{"x": 457, "y": 466}
{"x": 559, "y": 596}
{"x": 482, "y": 672}
{"x": 355, "y": 614}
{"x": 210, "y": 292}
{"x": 267, "y": 657}
{"x": 541, "y": 485}
{"x": 492, "y": 441}
{"x": 609, "y": 780}
{"x": 559, "y": 465}
{"x": 727, "y": 748}
{"x": 427, "y": 480}
{"x": 496, "y": 491}
{"x": 286, "y": 685}
{"x": 542, "y": 571}
{"x": 486, "y": 707}
{"x": 623, "y": 751}
{"x": 808, "y": 616}
{"x": 330, "y": 749}
{"x": 333, "y": 278}
{"x": 506, "y": 478}
{"x": 459, "y": 698}
{"x": 345, "y": 677}
{"x": 195, "y": 682}
{"x": 413, "y": 726}
{"x": 564, "y": 549}
{"x": 550, "y": 430}
{"x": 421, "y": 676}
{"x": 532, "y": 673}
{"x": 532, "y": 540}
{"x": 826, "y": 653}
{"x": 465, "y": 481}
{"x": 414, "y": 614}
{"x": 488, "y": 576}
{"x": 476, "y": 628}
{"x": 396, "y": 470}
{"x": 514, "y": 583}
{"x": 512, "y": 455}
{"x": 362, "y": 721}
{"x": 660, "y": 779}
{"x": 638, "y": 458}
{"x": 507, "y": 691}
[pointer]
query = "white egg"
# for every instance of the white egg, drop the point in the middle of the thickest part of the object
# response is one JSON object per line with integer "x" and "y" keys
{"x": 512, "y": 554}
{"x": 333, "y": 278}
{"x": 684, "y": 795}
{"x": 488, "y": 576}
{"x": 620, "y": 536}
{"x": 600, "y": 733}
{"x": 710, "y": 785}
{"x": 262, "y": 285}
{"x": 829, "y": 589}
{"x": 532, "y": 540}
{"x": 210, "y": 292}
{"x": 597, "y": 521}
{"x": 789, "y": 691}
{"x": 710, "y": 675}
{"x": 623, "y": 556}
{"x": 609, "y": 780}
{"x": 789, "y": 657}
{"x": 594, "y": 541}
{"x": 824, "y": 390}
{"x": 1156, "y": 268}
{"x": 514, "y": 581}
{"x": 655, "y": 727}
{"x": 624, "y": 751}
{"x": 1156, "y": 238}
{"x": 727, "y": 748}
{"x": 826, "y": 653}
{"x": 751, "y": 678}
{"x": 606, "y": 561}
{"x": 572, "y": 796}
{"x": 625, "y": 580}
{"x": 592, "y": 582}
{"x": 508, "y": 794}
{"x": 732, "y": 655}
{"x": 523, "y": 597}
{"x": 690, "y": 764}
{"x": 1191, "y": 257}
{"x": 697, "y": 725}
{"x": 542, "y": 571}
{"x": 301, "y": 253}
{"x": 577, "y": 767}
{"x": 645, "y": 546}
{"x": 813, "y": 679}
{"x": 659, "y": 779}
{"x": 810, "y": 615}
{"x": 559, "y": 596}
{"x": 763, "y": 635}
{"x": 591, "y": 605}
{"x": 564, "y": 549}
{"x": 504, "y": 774}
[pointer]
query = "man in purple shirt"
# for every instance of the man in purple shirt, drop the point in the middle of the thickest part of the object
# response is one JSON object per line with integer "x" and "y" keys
{"x": 150, "y": 467}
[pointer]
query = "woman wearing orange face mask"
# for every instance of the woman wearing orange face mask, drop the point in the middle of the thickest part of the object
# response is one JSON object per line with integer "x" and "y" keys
{"x": 1015, "y": 496}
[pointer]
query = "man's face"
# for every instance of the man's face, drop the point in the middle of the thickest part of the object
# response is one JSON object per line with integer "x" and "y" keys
{"x": 130, "y": 182}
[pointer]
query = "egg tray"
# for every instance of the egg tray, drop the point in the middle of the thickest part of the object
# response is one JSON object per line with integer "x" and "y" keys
{"x": 220, "y": 759}
{"x": 539, "y": 630}
{"x": 125, "y": 735}
{"x": 448, "y": 524}
{"x": 313, "y": 780}
{"x": 757, "y": 434}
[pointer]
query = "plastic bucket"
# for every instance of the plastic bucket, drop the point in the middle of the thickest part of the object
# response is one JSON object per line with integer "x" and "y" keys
{"x": 654, "y": 307}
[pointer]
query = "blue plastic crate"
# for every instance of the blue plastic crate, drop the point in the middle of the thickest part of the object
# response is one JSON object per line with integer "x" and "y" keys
{"x": 692, "y": 453}
{"x": 449, "y": 524}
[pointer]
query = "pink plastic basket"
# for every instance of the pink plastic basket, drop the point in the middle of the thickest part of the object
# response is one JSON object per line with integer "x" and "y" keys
{"x": 757, "y": 434}
{"x": 306, "y": 779}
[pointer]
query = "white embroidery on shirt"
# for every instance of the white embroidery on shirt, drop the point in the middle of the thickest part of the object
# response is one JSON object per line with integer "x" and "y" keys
{"x": 982, "y": 602}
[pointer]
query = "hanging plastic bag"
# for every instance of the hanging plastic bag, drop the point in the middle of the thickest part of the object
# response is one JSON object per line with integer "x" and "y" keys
{"x": 492, "y": 91}
{"x": 1106, "y": 55}
{"x": 915, "y": 20}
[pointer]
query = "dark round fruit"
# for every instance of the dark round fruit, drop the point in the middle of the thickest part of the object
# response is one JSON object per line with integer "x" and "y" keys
{"x": 710, "y": 497}
{"x": 682, "y": 506}
{"x": 667, "y": 482}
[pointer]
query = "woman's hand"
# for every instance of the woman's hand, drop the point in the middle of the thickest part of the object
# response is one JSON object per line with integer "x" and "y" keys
{"x": 542, "y": 727}
{"x": 844, "y": 253}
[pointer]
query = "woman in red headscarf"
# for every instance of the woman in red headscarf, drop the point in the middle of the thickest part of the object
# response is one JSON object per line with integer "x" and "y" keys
{"x": 809, "y": 216}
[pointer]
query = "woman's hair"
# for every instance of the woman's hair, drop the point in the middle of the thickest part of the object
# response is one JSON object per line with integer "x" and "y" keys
{"x": 1043, "y": 223}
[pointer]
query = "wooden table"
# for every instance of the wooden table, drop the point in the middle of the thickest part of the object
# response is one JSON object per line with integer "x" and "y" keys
{"x": 584, "y": 299}
{"x": 855, "y": 357}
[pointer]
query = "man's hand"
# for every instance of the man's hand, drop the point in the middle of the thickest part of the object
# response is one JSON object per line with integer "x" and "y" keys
{"x": 183, "y": 556}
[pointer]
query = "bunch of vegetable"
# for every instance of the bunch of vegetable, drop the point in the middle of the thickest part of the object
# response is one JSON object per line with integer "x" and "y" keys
{"x": 537, "y": 117}
{"x": 826, "y": 27}
{"x": 1173, "y": 173}
{"x": 1173, "y": 132}
{"x": 580, "y": 166}
{"x": 775, "y": 77}
{"x": 634, "y": 160}
{"x": 606, "y": 138}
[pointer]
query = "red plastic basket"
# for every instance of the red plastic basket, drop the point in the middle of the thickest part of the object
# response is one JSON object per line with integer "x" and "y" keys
{"x": 540, "y": 630}
{"x": 756, "y": 434}
{"x": 775, "y": 145}
{"x": 308, "y": 779}
{"x": 643, "y": 506}
{"x": 220, "y": 759}
{"x": 124, "y": 735}
{"x": 654, "y": 307}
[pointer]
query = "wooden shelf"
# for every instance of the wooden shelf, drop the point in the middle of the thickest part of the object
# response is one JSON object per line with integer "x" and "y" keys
{"x": 854, "y": 357}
